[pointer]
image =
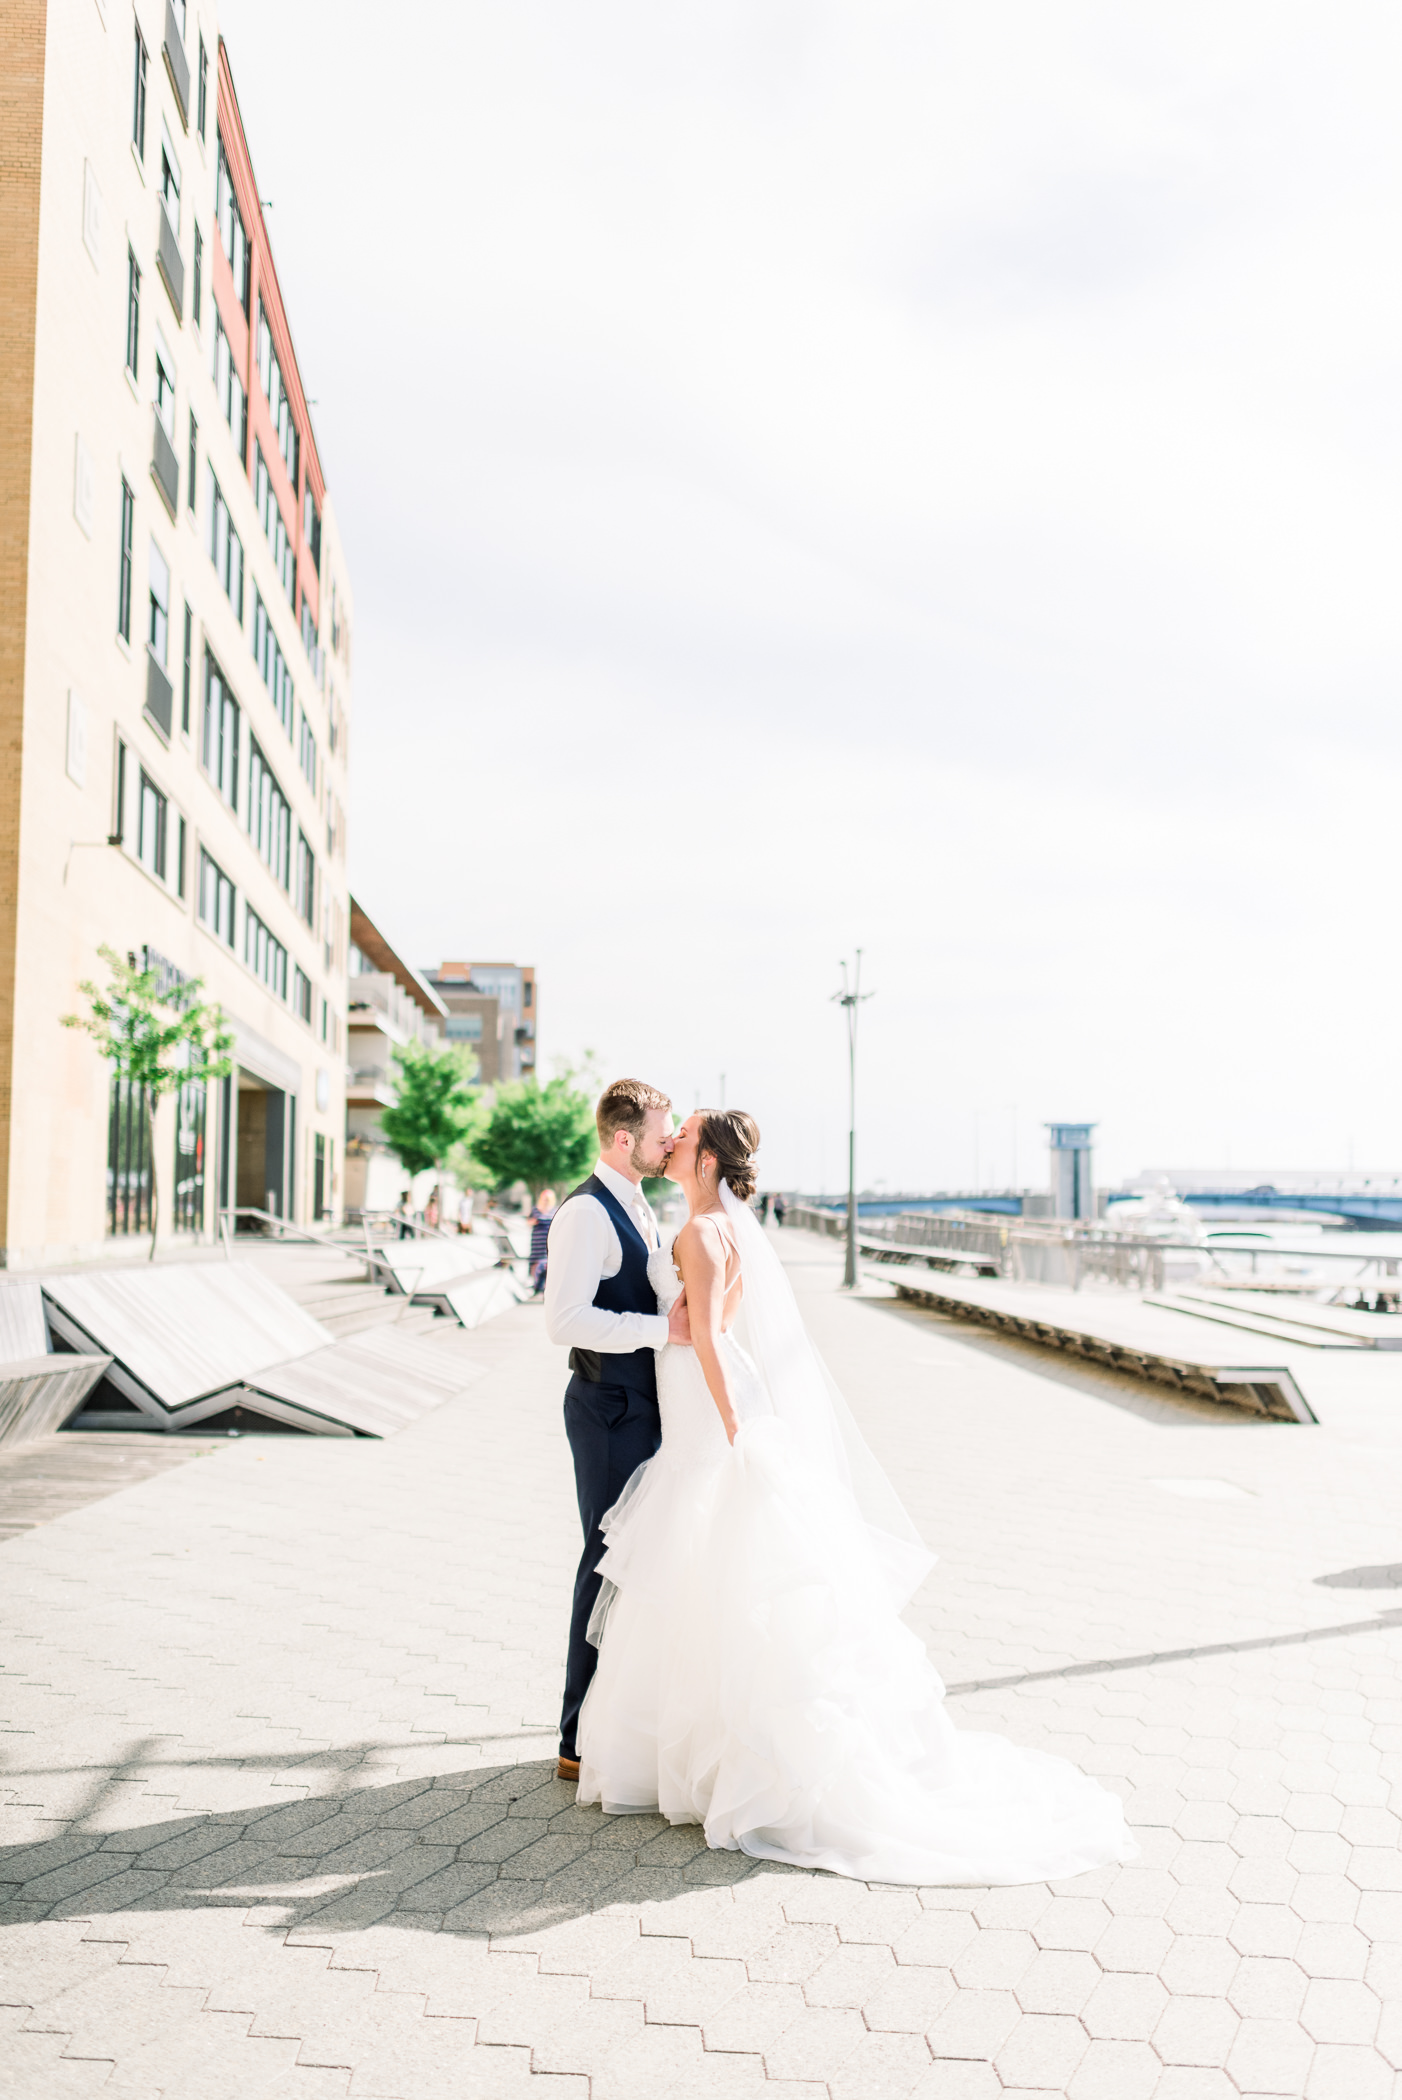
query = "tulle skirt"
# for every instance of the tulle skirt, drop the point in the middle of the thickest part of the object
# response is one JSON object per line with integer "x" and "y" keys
{"x": 755, "y": 1677}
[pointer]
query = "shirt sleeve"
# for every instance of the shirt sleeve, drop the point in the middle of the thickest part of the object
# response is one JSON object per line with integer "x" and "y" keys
{"x": 579, "y": 1245}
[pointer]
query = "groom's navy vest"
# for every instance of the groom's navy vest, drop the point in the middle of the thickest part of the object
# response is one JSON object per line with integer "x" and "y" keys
{"x": 628, "y": 1291}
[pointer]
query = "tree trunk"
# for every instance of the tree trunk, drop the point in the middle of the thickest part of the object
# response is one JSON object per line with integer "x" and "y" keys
{"x": 151, "y": 1144}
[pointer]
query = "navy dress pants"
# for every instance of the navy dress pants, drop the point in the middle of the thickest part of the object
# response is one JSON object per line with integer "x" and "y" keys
{"x": 612, "y": 1429}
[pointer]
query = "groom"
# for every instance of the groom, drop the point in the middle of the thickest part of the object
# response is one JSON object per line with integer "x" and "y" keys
{"x": 600, "y": 1305}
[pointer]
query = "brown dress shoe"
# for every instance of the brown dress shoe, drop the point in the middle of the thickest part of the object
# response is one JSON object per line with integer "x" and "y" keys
{"x": 568, "y": 1768}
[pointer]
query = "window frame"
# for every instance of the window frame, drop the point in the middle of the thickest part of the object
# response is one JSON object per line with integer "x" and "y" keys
{"x": 124, "y": 581}
{"x": 213, "y": 880}
{"x": 133, "y": 311}
{"x": 158, "y": 623}
{"x": 148, "y": 794}
{"x": 138, "y": 110}
{"x": 220, "y": 731}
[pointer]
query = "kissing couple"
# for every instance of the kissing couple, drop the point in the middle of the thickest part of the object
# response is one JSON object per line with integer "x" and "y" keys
{"x": 736, "y": 1656}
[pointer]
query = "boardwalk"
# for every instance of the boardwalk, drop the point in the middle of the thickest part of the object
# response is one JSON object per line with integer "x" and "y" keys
{"x": 281, "y": 1816}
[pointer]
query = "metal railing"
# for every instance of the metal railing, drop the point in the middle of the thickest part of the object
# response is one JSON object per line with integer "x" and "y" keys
{"x": 1071, "y": 1254}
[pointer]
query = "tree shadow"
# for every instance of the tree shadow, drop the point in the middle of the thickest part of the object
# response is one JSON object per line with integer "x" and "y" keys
{"x": 490, "y": 1850}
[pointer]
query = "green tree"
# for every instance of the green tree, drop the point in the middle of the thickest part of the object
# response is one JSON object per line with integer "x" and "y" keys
{"x": 435, "y": 1105}
{"x": 542, "y": 1135}
{"x": 156, "y": 1039}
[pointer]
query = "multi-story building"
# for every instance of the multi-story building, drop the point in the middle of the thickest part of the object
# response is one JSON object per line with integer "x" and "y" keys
{"x": 493, "y": 1008}
{"x": 390, "y": 1007}
{"x": 174, "y": 640}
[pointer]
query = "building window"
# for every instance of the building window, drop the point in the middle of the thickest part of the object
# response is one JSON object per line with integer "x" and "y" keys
{"x": 193, "y": 460}
{"x": 151, "y": 829}
{"x": 528, "y": 994}
{"x": 185, "y": 676}
{"x": 270, "y": 377}
{"x": 133, "y": 311}
{"x": 219, "y": 744}
{"x": 158, "y": 630}
{"x": 309, "y": 634}
{"x": 302, "y": 996}
{"x": 271, "y": 518}
{"x": 128, "y": 1158}
{"x": 264, "y": 953}
{"x": 119, "y": 796}
{"x": 271, "y": 662}
{"x": 464, "y": 1028}
{"x": 231, "y": 230}
{"x": 138, "y": 110}
{"x": 225, "y": 548}
{"x": 189, "y": 1156}
{"x": 228, "y": 388}
{"x": 305, "y": 895}
{"x": 269, "y": 815}
{"x": 197, "y": 297}
{"x": 311, "y": 527}
{"x": 170, "y": 179}
{"x": 124, "y": 574}
{"x": 306, "y": 750}
{"x": 165, "y": 389}
{"x": 215, "y": 902}
{"x": 203, "y": 102}
{"x": 180, "y": 857}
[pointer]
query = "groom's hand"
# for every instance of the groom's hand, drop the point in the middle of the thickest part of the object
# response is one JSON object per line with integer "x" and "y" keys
{"x": 679, "y": 1324}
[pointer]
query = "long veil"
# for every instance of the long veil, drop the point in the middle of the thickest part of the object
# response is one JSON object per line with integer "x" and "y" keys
{"x": 805, "y": 1396}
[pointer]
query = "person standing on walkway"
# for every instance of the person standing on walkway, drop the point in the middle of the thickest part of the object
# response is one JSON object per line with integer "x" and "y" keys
{"x": 600, "y": 1305}
{"x": 542, "y": 1211}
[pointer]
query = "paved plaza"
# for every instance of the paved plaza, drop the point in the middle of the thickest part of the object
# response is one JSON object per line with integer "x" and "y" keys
{"x": 281, "y": 1816}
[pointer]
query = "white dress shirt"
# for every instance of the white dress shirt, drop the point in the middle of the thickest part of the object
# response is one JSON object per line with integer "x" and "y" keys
{"x": 584, "y": 1250}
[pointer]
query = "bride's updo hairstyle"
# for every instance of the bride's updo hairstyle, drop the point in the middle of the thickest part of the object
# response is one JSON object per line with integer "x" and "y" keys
{"x": 734, "y": 1139}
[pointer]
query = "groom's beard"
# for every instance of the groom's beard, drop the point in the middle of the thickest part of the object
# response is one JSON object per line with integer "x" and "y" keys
{"x": 651, "y": 1168}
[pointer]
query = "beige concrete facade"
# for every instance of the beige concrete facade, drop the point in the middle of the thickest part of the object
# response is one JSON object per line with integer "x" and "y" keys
{"x": 83, "y": 744}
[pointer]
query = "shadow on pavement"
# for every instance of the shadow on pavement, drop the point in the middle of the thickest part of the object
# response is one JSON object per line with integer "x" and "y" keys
{"x": 490, "y": 1850}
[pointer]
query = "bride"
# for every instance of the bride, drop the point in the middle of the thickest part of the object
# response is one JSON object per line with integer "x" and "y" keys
{"x": 754, "y": 1673}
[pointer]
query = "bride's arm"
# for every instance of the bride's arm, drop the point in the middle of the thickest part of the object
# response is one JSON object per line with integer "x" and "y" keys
{"x": 699, "y": 1254}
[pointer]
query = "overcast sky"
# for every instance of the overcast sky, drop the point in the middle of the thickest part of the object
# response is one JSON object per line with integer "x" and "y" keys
{"x": 917, "y": 475}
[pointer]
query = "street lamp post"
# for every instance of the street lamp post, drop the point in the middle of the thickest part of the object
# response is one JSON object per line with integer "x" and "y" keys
{"x": 850, "y": 998}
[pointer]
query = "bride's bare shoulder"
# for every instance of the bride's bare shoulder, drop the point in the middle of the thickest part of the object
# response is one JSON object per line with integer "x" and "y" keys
{"x": 700, "y": 1239}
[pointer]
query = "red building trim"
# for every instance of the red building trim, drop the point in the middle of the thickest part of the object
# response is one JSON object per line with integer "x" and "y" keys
{"x": 241, "y": 330}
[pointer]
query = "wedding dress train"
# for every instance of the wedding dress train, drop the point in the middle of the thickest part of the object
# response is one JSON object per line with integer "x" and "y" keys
{"x": 754, "y": 1674}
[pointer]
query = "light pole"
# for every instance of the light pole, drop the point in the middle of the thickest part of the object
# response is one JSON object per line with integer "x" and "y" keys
{"x": 851, "y": 997}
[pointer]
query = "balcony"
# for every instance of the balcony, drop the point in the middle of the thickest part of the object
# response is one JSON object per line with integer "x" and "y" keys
{"x": 165, "y": 467}
{"x": 168, "y": 262}
{"x": 177, "y": 64}
{"x": 160, "y": 698}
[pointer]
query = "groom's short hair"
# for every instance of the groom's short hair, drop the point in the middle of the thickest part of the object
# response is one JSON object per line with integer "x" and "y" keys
{"x": 624, "y": 1105}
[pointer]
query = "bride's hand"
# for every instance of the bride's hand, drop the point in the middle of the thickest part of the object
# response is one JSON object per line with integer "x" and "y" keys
{"x": 679, "y": 1324}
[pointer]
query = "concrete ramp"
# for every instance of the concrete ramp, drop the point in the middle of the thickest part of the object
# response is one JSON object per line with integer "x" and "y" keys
{"x": 189, "y": 1342}
{"x": 462, "y": 1278}
{"x": 372, "y": 1385}
{"x": 477, "y": 1298}
{"x": 39, "y": 1389}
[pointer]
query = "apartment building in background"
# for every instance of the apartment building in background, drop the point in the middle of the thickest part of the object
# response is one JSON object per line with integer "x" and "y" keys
{"x": 174, "y": 641}
{"x": 493, "y": 1008}
{"x": 390, "y": 1007}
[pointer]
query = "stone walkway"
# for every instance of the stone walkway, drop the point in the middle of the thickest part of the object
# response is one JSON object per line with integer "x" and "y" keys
{"x": 281, "y": 1816}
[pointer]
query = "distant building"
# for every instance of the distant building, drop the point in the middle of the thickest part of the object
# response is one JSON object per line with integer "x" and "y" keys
{"x": 390, "y": 1005}
{"x": 174, "y": 642}
{"x": 494, "y": 1008}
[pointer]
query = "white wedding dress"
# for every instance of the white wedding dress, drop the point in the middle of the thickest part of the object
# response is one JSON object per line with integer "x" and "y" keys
{"x": 754, "y": 1674}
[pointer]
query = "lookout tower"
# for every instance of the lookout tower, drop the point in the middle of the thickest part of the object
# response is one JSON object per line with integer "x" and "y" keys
{"x": 1070, "y": 1145}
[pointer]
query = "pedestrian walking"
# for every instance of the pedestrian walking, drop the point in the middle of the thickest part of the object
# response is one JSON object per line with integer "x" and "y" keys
{"x": 542, "y": 1211}
{"x": 780, "y": 1209}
